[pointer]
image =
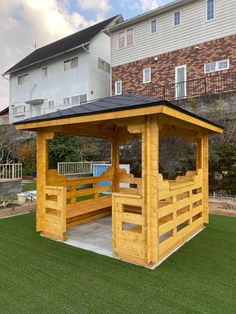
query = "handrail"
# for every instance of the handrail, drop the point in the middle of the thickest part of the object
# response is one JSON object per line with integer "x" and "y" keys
{"x": 10, "y": 171}
{"x": 206, "y": 85}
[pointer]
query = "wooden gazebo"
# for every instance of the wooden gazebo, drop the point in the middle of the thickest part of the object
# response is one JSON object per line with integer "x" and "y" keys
{"x": 151, "y": 217}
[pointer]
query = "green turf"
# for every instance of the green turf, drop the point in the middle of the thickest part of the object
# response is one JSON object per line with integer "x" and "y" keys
{"x": 31, "y": 186}
{"x": 38, "y": 275}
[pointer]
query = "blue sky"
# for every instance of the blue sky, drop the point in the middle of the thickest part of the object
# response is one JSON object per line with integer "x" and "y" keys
{"x": 24, "y": 23}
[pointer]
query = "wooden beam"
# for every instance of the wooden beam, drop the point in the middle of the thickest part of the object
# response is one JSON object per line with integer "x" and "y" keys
{"x": 138, "y": 112}
{"x": 91, "y": 118}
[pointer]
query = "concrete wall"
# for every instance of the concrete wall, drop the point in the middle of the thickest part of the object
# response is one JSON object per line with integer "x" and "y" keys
{"x": 7, "y": 188}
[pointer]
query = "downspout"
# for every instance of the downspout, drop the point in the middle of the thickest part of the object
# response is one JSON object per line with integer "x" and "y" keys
{"x": 89, "y": 85}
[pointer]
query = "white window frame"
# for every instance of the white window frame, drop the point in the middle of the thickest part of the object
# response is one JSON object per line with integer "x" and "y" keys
{"x": 154, "y": 20}
{"x": 66, "y": 102}
{"x": 51, "y": 104}
{"x": 69, "y": 61}
{"x": 44, "y": 72}
{"x": 100, "y": 62}
{"x": 185, "y": 80}
{"x": 125, "y": 44}
{"x": 180, "y": 18}
{"x": 24, "y": 78}
{"x": 207, "y": 11}
{"x": 217, "y": 66}
{"x": 116, "y": 83}
{"x": 149, "y": 75}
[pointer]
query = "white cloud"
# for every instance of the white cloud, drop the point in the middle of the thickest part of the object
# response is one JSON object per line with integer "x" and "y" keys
{"x": 26, "y": 22}
{"x": 101, "y": 5}
{"x": 144, "y": 5}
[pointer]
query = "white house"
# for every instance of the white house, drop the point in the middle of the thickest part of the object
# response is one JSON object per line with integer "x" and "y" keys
{"x": 63, "y": 74}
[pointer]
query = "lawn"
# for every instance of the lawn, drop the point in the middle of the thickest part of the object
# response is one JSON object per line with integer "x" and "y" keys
{"x": 30, "y": 186}
{"x": 38, "y": 275}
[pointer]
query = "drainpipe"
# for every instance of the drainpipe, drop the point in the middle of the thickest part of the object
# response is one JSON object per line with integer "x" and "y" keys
{"x": 89, "y": 87}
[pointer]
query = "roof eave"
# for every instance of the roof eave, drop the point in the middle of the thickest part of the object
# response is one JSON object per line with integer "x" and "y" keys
{"x": 45, "y": 59}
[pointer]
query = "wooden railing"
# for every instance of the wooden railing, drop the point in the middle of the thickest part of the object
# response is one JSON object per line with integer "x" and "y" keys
{"x": 54, "y": 215}
{"x": 180, "y": 210}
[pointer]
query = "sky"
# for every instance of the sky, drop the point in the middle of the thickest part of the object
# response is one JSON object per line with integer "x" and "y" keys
{"x": 25, "y": 24}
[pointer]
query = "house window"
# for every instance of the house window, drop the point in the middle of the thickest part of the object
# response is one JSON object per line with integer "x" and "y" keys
{"x": 177, "y": 18}
{"x": 20, "y": 110}
{"x": 121, "y": 40}
{"x": 44, "y": 72}
{"x": 147, "y": 75}
{"x": 83, "y": 98}
{"x": 74, "y": 63}
{"x": 22, "y": 79}
{"x": 216, "y": 66}
{"x": 129, "y": 37}
{"x": 101, "y": 64}
{"x": 118, "y": 87}
{"x": 126, "y": 38}
{"x": 67, "y": 65}
{"x": 71, "y": 63}
{"x": 51, "y": 104}
{"x": 210, "y": 7}
{"x": 75, "y": 100}
{"x": 153, "y": 26}
{"x": 66, "y": 101}
{"x": 108, "y": 67}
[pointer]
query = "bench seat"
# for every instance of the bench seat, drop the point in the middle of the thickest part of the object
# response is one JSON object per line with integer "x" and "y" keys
{"x": 76, "y": 209}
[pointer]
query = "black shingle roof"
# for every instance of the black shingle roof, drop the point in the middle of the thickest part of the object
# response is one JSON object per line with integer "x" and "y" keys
{"x": 110, "y": 104}
{"x": 77, "y": 39}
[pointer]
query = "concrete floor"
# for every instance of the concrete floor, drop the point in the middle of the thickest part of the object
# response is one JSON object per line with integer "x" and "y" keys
{"x": 95, "y": 236}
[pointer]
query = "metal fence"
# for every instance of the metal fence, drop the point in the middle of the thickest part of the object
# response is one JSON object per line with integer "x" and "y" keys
{"x": 77, "y": 168}
{"x": 210, "y": 84}
{"x": 10, "y": 172}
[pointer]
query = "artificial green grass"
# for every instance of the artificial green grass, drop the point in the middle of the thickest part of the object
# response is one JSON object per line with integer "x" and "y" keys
{"x": 31, "y": 186}
{"x": 38, "y": 275}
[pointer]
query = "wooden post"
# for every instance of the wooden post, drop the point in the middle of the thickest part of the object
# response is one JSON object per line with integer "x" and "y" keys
{"x": 150, "y": 152}
{"x": 202, "y": 163}
{"x": 115, "y": 164}
{"x": 42, "y": 167}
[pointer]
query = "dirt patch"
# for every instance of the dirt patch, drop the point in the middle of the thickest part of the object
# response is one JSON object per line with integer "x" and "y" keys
{"x": 222, "y": 207}
{"x": 18, "y": 210}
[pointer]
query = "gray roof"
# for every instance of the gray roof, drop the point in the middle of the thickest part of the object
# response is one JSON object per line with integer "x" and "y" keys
{"x": 62, "y": 45}
{"x": 109, "y": 104}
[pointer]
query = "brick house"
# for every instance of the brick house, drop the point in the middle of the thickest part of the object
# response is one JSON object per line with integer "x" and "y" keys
{"x": 183, "y": 49}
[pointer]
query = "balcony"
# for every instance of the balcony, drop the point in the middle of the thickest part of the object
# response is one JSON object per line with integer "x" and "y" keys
{"x": 207, "y": 85}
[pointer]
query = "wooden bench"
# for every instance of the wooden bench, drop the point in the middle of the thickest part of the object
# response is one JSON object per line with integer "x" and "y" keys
{"x": 81, "y": 212}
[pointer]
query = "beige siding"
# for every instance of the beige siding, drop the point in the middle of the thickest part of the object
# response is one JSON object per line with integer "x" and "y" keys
{"x": 193, "y": 30}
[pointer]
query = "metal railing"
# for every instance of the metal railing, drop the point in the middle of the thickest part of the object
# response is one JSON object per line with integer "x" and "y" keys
{"x": 209, "y": 84}
{"x": 4, "y": 119}
{"x": 77, "y": 168}
{"x": 10, "y": 172}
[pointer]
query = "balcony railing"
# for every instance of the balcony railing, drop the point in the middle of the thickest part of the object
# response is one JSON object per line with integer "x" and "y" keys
{"x": 211, "y": 84}
{"x": 10, "y": 172}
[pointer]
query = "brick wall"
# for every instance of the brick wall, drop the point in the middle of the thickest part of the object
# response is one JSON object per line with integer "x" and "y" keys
{"x": 163, "y": 69}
